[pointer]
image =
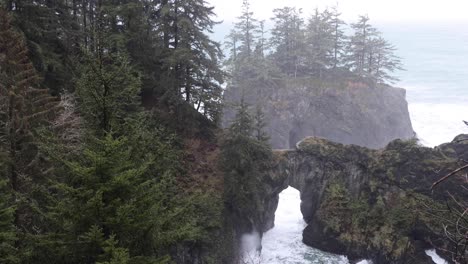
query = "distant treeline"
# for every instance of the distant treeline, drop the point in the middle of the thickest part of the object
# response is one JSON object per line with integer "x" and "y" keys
{"x": 316, "y": 46}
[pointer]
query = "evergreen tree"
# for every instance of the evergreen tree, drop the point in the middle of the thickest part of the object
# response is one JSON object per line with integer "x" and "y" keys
{"x": 108, "y": 90}
{"x": 8, "y": 252}
{"x": 244, "y": 160}
{"x": 359, "y": 46}
{"x": 262, "y": 45}
{"x": 320, "y": 42}
{"x": 369, "y": 55}
{"x": 383, "y": 61}
{"x": 23, "y": 110}
{"x": 232, "y": 44}
{"x": 339, "y": 37}
{"x": 246, "y": 28}
{"x": 193, "y": 59}
{"x": 259, "y": 125}
{"x": 127, "y": 198}
{"x": 52, "y": 36}
{"x": 243, "y": 123}
{"x": 120, "y": 205}
{"x": 287, "y": 40}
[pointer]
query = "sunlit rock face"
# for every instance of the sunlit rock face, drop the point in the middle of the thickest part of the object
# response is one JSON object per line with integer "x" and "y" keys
{"x": 348, "y": 113}
{"x": 365, "y": 203}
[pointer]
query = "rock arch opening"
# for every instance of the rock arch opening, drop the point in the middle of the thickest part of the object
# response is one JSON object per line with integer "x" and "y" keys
{"x": 283, "y": 244}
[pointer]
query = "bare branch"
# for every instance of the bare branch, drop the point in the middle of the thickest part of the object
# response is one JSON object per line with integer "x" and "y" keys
{"x": 448, "y": 176}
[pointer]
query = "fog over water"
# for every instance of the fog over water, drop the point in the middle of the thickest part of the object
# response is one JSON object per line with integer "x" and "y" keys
{"x": 436, "y": 78}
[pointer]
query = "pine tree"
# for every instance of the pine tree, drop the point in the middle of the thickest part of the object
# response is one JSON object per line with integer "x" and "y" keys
{"x": 359, "y": 46}
{"x": 339, "y": 37}
{"x": 383, "y": 61}
{"x": 116, "y": 201}
{"x": 109, "y": 85}
{"x": 52, "y": 36}
{"x": 108, "y": 90}
{"x": 288, "y": 41}
{"x": 259, "y": 125}
{"x": 127, "y": 198}
{"x": 243, "y": 123}
{"x": 244, "y": 160}
{"x": 253, "y": 76}
{"x": 24, "y": 109}
{"x": 131, "y": 209}
{"x": 262, "y": 45}
{"x": 232, "y": 45}
{"x": 246, "y": 27}
{"x": 370, "y": 56}
{"x": 320, "y": 41}
{"x": 191, "y": 60}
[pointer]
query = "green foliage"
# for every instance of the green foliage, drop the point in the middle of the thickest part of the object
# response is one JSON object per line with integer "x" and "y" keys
{"x": 8, "y": 237}
{"x": 51, "y": 33}
{"x": 108, "y": 90}
{"x": 370, "y": 55}
{"x": 246, "y": 29}
{"x": 288, "y": 40}
{"x": 24, "y": 108}
{"x": 371, "y": 220}
{"x": 259, "y": 125}
{"x": 190, "y": 67}
{"x": 243, "y": 123}
{"x": 126, "y": 211}
{"x": 113, "y": 253}
{"x": 171, "y": 48}
{"x": 8, "y": 251}
{"x": 112, "y": 194}
{"x": 244, "y": 160}
{"x": 317, "y": 48}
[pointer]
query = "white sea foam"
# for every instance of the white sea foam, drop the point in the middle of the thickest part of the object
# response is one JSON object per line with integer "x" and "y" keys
{"x": 438, "y": 123}
{"x": 283, "y": 244}
{"x": 250, "y": 247}
{"x": 436, "y": 258}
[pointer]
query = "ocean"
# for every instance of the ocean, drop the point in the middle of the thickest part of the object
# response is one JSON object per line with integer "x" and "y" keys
{"x": 436, "y": 79}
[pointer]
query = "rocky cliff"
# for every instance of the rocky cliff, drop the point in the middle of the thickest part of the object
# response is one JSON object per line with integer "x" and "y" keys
{"x": 344, "y": 112}
{"x": 366, "y": 203}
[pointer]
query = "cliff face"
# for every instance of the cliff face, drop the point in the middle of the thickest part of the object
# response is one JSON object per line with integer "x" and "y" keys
{"x": 348, "y": 113}
{"x": 367, "y": 203}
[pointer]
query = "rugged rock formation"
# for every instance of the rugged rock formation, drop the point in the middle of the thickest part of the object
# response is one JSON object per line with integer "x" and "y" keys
{"x": 368, "y": 203}
{"x": 348, "y": 113}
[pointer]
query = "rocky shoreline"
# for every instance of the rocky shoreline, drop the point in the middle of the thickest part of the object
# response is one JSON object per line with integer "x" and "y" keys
{"x": 364, "y": 203}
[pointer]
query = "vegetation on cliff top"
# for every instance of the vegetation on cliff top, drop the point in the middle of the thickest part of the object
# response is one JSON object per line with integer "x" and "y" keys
{"x": 317, "y": 48}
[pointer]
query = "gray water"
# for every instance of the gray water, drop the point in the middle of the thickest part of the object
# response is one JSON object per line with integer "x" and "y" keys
{"x": 436, "y": 79}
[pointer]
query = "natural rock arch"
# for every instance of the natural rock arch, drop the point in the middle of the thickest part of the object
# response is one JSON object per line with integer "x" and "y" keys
{"x": 364, "y": 174}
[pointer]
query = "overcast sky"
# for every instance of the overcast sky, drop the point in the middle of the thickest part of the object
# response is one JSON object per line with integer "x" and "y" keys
{"x": 384, "y": 11}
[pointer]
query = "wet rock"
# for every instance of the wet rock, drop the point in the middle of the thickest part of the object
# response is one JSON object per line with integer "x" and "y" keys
{"x": 365, "y": 203}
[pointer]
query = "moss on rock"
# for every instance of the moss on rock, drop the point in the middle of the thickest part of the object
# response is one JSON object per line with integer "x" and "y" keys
{"x": 373, "y": 204}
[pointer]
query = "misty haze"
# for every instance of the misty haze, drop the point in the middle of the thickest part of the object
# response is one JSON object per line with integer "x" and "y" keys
{"x": 233, "y": 132}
